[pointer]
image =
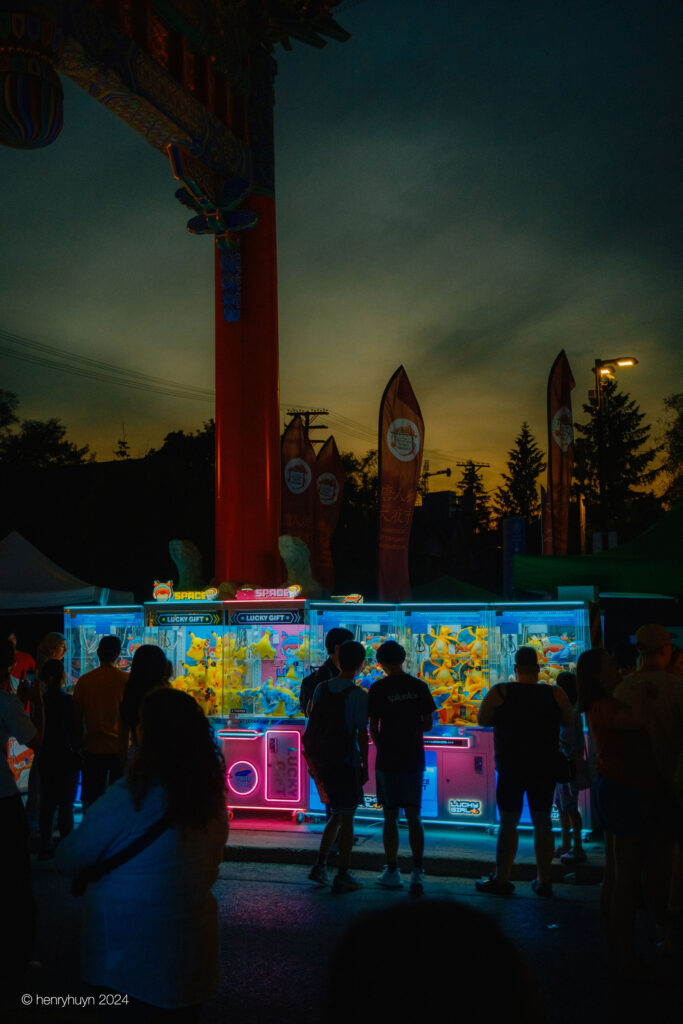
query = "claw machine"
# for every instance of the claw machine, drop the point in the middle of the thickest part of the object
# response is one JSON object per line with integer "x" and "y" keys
{"x": 371, "y": 624}
{"x": 266, "y": 654}
{"x": 84, "y": 627}
{"x": 559, "y": 632}
{"x": 190, "y": 632}
{"x": 447, "y": 645}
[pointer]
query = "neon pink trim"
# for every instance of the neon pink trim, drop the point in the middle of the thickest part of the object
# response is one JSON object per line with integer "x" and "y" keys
{"x": 232, "y": 788}
{"x": 297, "y": 743}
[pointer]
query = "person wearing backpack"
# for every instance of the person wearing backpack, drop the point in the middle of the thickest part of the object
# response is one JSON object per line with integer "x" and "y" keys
{"x": 328, "y": 670}
{"x": 336, "y": 739}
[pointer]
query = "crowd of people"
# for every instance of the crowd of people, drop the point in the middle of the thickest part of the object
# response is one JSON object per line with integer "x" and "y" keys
{"x": 155, "y": 818}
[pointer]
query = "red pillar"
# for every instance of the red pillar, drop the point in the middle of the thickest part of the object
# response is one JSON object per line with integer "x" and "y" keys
{"x": 248, "y": 415}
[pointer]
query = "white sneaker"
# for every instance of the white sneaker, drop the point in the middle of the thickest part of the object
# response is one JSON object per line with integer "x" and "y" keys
{"x": 417, "y": 880}
{"x": 390, "y": 879}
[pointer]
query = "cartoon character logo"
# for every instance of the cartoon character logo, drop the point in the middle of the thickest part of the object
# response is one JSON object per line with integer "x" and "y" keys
{"x": 328, "y": 488}
{"x": 562, "y": 428}
{"x": 297, "y": 476}
{"x": 162, "y": 591}
{"x": 403, "y": 439}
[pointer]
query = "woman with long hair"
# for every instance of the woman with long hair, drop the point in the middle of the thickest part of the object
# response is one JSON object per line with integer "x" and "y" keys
{"x": 149, "y": 669}
{"x": 150, "y": 928}
{"x": 625, "y": 790}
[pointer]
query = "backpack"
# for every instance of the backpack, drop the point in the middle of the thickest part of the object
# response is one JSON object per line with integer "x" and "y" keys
{"x": 326, "y": 738}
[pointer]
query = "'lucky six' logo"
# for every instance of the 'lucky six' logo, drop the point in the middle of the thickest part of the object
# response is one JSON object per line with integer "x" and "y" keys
{"x": 403, "y": 439}
{"x": 297, "y": 476}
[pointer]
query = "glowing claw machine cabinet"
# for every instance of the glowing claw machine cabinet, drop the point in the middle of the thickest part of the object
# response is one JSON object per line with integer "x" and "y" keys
{"x": 447, "y": 645}
{"x": 371, "y": 624}
{"x": 559, "y": 632}
{"x": 85, "y": 626}
{"x": 266, "y": 654}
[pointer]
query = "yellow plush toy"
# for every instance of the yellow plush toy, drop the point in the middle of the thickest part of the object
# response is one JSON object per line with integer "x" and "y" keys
{"x": 264, "y": 649}
{"x": 303, "y": 653}
{"x": 197, "y": 648}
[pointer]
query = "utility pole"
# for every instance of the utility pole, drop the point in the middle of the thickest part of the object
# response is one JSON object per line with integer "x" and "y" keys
{"x": 308, "y": 415}
{"x": 475, "y": 465}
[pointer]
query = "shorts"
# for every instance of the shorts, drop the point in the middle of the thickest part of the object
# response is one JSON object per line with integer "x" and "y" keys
{"x": 399, "y": 789}
{"x": 512, "y": 786}
{"x": 567, "y": 797}
{"x": 343, "y": 788}
{"x": 624, "y": 810}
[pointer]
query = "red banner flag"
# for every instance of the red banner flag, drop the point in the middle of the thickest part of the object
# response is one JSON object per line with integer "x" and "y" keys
{"x": 401, "y": 443}
{"x": 298, "y": 493}
{"x": 329, "y": 485}
{"x": 560, "y": 451}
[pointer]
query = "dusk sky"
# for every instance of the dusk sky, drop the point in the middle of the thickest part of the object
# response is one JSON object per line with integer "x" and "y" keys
{"x": 465, "y": 187}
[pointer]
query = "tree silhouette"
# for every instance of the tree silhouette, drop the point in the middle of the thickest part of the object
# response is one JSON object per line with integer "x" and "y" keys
{"x": 518, "y": 494}
{"x": 673, "y": 450}
{"x": 614, "y": 443}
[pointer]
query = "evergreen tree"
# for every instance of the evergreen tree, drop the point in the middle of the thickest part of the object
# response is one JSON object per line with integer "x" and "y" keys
{"x": 614, "y": 444}
{"x": 673, "y": 450}
{"x": 518, "y": 494}
{"x": 35, "y": 444}
{"x": 474, "y": 501}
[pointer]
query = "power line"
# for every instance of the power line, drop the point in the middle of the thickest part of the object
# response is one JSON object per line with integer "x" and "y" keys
{"x": 38, "y": 353}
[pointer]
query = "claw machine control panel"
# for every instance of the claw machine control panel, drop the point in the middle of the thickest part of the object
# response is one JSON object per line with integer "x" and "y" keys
{"x": 266, "y": 654}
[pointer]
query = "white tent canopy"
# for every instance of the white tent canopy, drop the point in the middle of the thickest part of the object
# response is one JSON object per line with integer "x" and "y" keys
{"x": 30, "y": 581}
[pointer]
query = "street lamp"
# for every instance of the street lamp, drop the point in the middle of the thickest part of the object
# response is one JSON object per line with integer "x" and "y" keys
{"x": 604, "y": 370}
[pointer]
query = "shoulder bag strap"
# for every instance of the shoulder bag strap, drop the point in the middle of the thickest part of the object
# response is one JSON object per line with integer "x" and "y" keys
{"x": 93, "y": 872}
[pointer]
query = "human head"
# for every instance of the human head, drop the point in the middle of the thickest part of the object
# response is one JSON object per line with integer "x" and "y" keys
{"x": 626, "y": 657}
{"x": 108, "y": 649}
{"x": 53, "y": 645}
{"x": 597, "y": 675}
{"x": 52, "y": 673}
{"x": 351, "y": 656}
{"x": 178, "y": 750}
{"x": 150, "y": 667}
{"x": 421, "y": 928}
{"x": 676, "y": 663}
{"x": 567, "y": 682}
{"x": 334, "y": 639}
{"x": 526, "y": 663}
{"x": 654, "y": 646}
{"x": 391, "y": 654}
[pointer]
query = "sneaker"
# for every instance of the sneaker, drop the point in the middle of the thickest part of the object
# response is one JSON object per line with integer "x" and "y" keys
{"x": 417, "y": 881}
{"x": 390, "y": 879}
{"x": 492, "y": 886}
{"x": 319, "y": 875}
{"x": 346, "y": 883}
{"x": 543, "y": 889}
{"x": 574, "y": 857}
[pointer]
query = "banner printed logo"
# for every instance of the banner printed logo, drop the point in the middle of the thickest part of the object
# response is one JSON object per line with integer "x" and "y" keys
{"x": 328, "y": 488}
{"x": 562, "y": 428}
{"x": 403, "y": 440}
{"x": 297, "y": 476}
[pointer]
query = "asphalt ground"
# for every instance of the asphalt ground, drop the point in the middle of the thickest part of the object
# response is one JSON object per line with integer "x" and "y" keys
{"x": 278, "y": 932}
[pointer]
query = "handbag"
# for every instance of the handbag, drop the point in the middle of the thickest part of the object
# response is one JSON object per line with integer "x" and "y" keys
{"x": 93, "y": 872}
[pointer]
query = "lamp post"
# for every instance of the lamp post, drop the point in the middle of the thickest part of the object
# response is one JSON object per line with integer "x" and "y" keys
{"x": 605, "y": 369}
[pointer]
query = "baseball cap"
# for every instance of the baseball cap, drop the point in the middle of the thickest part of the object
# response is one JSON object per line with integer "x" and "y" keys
{"x": 652, "y": 638}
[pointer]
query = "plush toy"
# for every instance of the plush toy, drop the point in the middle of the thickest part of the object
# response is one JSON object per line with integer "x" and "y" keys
{"x": 218, "y": 646}
{"x": 278, "y": 701}
{"x": 264, "y": 649}
{"x": 197, "y": 648}
{"x": 196, "y": 673}
{"x": 303, "y": 653}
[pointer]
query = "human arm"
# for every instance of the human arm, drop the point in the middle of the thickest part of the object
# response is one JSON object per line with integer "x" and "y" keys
{"x": 427, "y": 707}
{"x": 374, "y": 730}
{"x": 363, "y": 747}
{"x": 16, "y": 723}
{"x": 488, "y": 707}
{"x": 566, "y": 711}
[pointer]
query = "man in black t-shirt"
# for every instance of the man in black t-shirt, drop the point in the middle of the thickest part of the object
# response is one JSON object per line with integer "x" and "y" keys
{"x": 328, "y": 670}
{"x": 400, "y": 710}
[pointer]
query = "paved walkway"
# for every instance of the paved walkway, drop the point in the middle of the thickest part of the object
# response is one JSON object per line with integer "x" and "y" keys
{"x": 450, "y": 850}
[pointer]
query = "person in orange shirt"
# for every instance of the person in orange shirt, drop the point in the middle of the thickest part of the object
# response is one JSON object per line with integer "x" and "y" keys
{"x": 97, "y": 699}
